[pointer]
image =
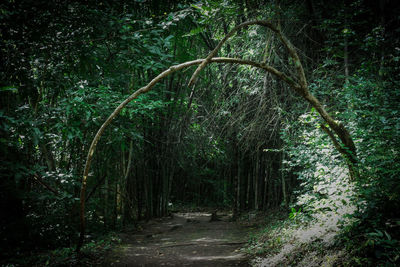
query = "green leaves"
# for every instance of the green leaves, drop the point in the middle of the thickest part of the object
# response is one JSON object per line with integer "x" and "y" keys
{"x": 194, "y": 32}
{"x": 11, "y": 89}
{"x": 294, "y": 213}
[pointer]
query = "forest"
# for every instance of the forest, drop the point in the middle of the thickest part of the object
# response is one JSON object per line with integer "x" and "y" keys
{"x": 279, "y": 120}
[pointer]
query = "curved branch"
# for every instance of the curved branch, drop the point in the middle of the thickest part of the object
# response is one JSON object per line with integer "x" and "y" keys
{"x": 333, "y": 138}
{"x": 348, "y": 156}
{"x": 145, "y": 89}
{"x": 218, "y": 47}
{"x": 302, "y": 89}
{"x": 291, "y": 49}
{"x": 263, "y": 66}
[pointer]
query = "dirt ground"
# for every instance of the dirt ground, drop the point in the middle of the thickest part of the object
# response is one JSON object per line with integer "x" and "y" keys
{"x": 186, "y": 239}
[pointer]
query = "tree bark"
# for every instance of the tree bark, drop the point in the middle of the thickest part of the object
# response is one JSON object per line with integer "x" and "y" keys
{"x": 300, "y": 86}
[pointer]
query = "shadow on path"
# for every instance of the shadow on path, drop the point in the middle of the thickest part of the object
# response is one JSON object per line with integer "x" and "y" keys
{"x": 187, "y": 239}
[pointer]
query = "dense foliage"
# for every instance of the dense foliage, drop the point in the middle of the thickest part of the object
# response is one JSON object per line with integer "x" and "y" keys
{"x": 239, "y": 139}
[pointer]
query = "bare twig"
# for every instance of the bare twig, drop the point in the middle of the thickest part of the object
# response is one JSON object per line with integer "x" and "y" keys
{"x": 48, "y": 187}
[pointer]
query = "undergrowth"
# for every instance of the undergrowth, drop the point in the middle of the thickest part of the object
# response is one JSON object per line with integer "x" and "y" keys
{"x": 92, "y": 253}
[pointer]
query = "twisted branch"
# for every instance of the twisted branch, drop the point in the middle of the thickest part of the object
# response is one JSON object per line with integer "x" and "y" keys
{"x": 145, "y": 89}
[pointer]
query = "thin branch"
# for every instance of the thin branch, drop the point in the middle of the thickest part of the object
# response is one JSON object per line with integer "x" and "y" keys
{"x": 145, "y": 89}
{"x": 95, "y": 188}
{"x": 218, "y": 47}
{"x": 332, "y": 137}
{"x": 48, "y": 187}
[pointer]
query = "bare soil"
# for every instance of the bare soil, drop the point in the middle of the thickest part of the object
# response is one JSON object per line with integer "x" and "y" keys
{"x": 186, "y": 239}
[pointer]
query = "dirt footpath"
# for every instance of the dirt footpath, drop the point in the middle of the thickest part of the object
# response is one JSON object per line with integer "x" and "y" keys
{"x": 187, "y": 239}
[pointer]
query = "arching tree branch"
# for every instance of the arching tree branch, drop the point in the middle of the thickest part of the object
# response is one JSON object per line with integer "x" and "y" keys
{"x": 145, "y": 89}
{"x": 301, "y": 88}
{"x": 216, "y": 49}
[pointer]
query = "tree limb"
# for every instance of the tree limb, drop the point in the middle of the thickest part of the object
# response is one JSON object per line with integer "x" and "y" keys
{"x": 332, "y": 137}
{"x": 48, "y": 187}
{"x": 95, "y": 188}
{"x": 300, "y": 87}
{"x": 347, "y": 156}
{"x": 145, "y": 89}
{"x": 218, "y": 47}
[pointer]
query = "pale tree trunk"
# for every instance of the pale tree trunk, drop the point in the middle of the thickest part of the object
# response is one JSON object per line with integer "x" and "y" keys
{"x": 284, "y": 191}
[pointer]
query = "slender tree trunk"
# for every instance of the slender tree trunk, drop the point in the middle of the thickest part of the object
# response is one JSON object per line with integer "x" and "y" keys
{"x": 126, "y": 205}
{"x": 284, "y": 192}
{"x": 51, "y": 164}
{"x": 239, "y": 183}
{"x": 382, "y": 4}
{"x": 256, "y": 180}
{"x": 346, "y": 59}
{"x": 249, "y": 196}
{"x": 268, "y": 183}
{"x": 139, "y": 191}
{"x": 106, "y": 199}
{"x": 115, "y": 204}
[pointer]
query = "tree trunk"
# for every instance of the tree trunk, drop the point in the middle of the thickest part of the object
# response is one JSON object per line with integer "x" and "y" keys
{"x": 106, "y": 199}
{"x": 126, "y": 202}
{"x": 284, "y": 192}
{"x": 256, "y": 180}
{"x": 300, "y": 86}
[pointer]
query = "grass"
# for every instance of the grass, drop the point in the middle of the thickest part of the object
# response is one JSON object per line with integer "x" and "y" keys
{"x": 294, "y": 241}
